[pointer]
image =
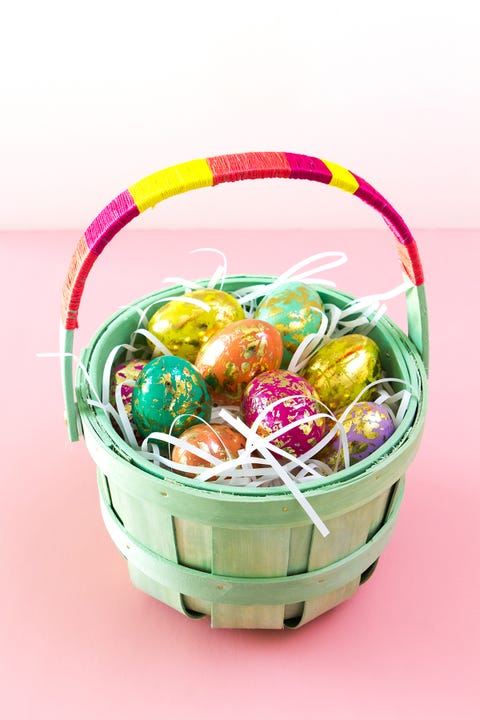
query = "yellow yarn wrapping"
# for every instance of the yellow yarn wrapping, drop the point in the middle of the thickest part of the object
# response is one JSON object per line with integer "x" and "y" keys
{"x": 171, "y": 181}
{"x": 341, "y": 177}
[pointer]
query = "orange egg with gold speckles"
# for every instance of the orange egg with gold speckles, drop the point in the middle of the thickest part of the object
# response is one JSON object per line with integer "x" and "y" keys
{"x": 219, "y": 441}
{"x": 237, "y": 354}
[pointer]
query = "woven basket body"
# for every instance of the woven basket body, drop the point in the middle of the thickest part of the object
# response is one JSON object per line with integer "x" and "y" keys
{"x": 248, "y": 558}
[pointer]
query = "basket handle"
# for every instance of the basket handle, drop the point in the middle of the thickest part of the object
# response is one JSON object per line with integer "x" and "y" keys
{"x": 212, "y": 171}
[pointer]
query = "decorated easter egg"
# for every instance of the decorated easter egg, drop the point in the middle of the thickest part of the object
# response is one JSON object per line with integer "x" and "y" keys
{"x": 220, "y": 441}
{"x": 294, "y": 308}
{"x": 129, "y": 370}
{"x": 235, "y": 355}
{"x": 282, "y": 385}
{"x": 342, "y": 368}
{"x": 169, "y": 388}
{"x": 185, "y": 325}
{"x": 367, "y": 426}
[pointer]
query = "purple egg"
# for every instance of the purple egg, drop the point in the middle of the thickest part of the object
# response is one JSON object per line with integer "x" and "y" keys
{"x": 275, "y": 385}
{"x": 367, "y": 426}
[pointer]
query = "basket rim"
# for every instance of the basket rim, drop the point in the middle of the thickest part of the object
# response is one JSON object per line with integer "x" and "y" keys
{"x": 406, "y": 351}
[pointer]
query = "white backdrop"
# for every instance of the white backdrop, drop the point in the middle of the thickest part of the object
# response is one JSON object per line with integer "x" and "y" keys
{"x": 98, "y": 94}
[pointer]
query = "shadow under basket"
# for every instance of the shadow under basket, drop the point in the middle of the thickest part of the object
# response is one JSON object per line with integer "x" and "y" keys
{"x": 247, "y": 557}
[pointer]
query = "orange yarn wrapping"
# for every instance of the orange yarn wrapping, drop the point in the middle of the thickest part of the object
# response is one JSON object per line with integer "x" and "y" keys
{"x": 80, "y": 266}
{"x": 411, "y": 262}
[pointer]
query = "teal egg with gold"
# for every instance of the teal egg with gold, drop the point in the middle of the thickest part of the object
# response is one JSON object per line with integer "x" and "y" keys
{"x": 169, "y": 390}
{"x": 295, "y": 309}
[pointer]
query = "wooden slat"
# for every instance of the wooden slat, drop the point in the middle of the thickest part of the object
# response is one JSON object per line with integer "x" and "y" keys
{"x": 347, "y": 533}
{"x": 249, "y": 552}
{"x": 144, "y": 520}
{"x": 299, "y": 553}
{"x": 194, "y": 544}
{"x": 247, "y": 617}
{"x": 320, "y": 605}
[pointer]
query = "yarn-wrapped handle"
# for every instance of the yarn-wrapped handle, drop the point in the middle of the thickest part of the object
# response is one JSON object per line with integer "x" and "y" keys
{"x": 212, "y": 171}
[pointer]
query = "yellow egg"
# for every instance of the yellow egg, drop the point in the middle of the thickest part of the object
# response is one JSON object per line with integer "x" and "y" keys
{"x": 342, "y": 368}
{"x": 184, "y": 327}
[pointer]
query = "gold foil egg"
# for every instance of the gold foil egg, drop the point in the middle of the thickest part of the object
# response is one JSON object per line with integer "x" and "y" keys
{"x": 237, "y": 354}
{"x": 220, "y": 441}
{"x": 184, "y": 326}
{"x": 342, "y": 368}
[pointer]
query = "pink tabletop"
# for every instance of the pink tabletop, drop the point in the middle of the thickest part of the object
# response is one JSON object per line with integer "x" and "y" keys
{"x": 79, "y": 641}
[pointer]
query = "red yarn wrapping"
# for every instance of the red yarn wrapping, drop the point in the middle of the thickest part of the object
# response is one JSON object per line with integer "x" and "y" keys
{"x": 248, "y": 166}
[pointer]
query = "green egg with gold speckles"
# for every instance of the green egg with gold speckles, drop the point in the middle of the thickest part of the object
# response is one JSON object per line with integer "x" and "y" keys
{"x": 168, "y": 388}
{"x": 295, "y": 309}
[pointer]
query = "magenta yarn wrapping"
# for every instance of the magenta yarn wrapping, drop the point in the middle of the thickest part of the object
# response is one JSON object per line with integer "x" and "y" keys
{"x": 112, "y": 218}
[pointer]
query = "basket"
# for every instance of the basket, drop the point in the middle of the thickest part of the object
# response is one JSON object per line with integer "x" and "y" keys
{"x": 246, "y": 557}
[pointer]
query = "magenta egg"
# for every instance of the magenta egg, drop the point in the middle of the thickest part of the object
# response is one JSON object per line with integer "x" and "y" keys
{"x": 275, "y": 385}
{"x": 128, "y": 370}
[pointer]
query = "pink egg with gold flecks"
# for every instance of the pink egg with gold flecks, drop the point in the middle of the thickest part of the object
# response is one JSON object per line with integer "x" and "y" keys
{"x": 275, "y": 385}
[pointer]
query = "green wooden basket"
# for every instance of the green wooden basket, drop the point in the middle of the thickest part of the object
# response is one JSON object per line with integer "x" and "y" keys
{"x": 247, "y": 557}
